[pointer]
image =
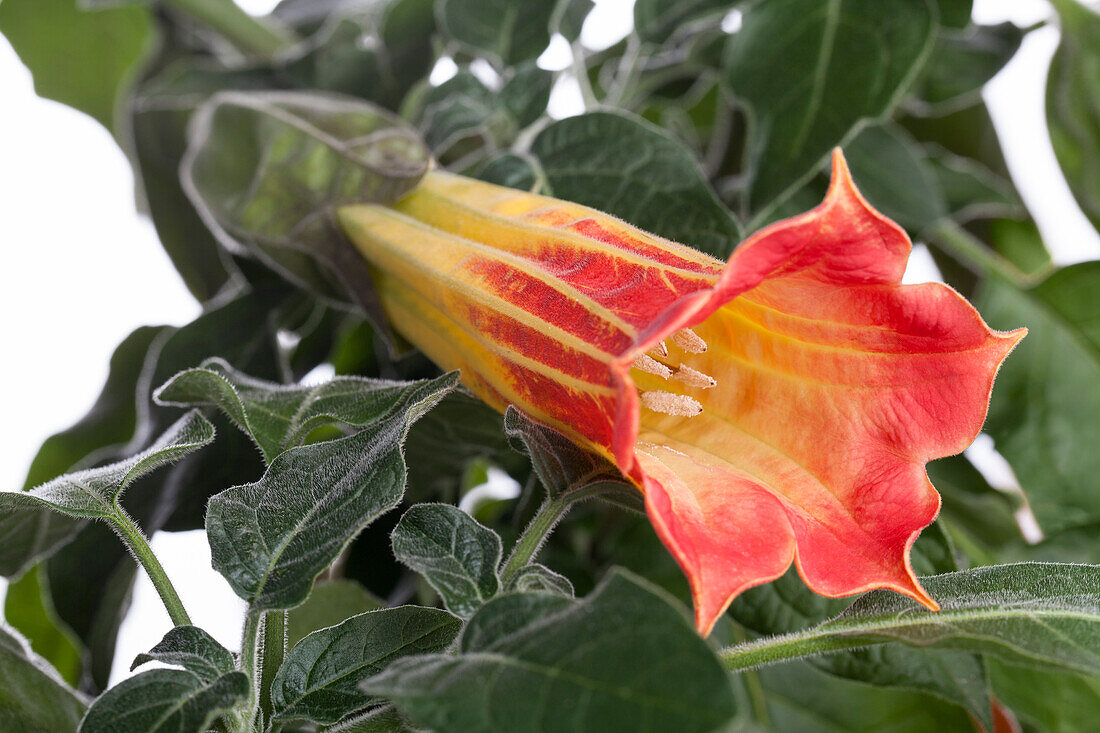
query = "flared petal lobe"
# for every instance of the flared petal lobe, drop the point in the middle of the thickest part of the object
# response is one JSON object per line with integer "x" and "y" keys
{"x": 792, "y": 424}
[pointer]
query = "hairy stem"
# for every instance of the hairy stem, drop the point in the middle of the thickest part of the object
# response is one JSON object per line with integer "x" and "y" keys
{"x": 251, "y": 664}
{"x": 248, "y": 35}
{"x": 528, "y": 544}
{"x": 132, "y": 535}
{"x": 274, "y": 650}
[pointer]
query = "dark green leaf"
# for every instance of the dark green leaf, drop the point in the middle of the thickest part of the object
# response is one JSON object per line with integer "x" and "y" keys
{"x": 1073, "y": 103}
{"x": 265, "y": 170}
{"x": 658, "y": 20}
{"x": 83, "y": 58}
{"x": 633, "y": 170}
{"x": 811, "y": 72}
{"x": 980, "y": 518}
{"x": 560, "y": 464}
{"x": 971, "y": 190}
{"x": 271, "y": 538}
{"x": 29, "y": 609}
{"x": 1043, "y": 412}
{"x": 461, "y": 117}
{"x": 510, "y": 31}
{"x": 163, "y": 701}
{"x": 1020, "y": 241}
{"x": 955, "y": 13}
{"x": 328, "y": 604}
{"x": 94, "y": 492}
{"x": 513, "y": 170}
{"x": 320, "y": 677}
{"x": 526, "y": 93}
{"x": 453, "y": 552}
{"x": 1038, "y": 614}
{"x": 507, "y": 614}
{"x": 962, "y": 62}
{"x": 32, "y": 697}
{"x": 625, "y": 658}
{"x": 193, "y": 649}
{"x": 891, "y": 171}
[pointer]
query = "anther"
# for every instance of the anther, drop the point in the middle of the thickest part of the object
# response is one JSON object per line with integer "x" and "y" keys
{"x": 649, "y": 365}
{"x": 658, "y": 350}
{"x": 689, "y": 341}
{"x": 693, "y": 378}
{"x": 668, "y": 403}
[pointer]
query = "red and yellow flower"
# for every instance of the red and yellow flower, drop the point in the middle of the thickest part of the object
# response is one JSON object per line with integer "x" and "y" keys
{"x": 776, "y": 408}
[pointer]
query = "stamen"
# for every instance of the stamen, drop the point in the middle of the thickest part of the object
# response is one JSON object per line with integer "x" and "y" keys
{"x": 689, "y": 341}
{"x": 693, "y": 378}
{"x": 678, "y": 405}
{"x": 658, "y": 350}
{"x": 649, "y": 365}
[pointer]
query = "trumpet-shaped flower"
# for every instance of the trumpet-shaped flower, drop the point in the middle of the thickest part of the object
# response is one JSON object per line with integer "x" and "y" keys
{"x": 776, "y": 408}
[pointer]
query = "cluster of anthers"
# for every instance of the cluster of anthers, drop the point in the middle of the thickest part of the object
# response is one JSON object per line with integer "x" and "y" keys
{"x": 655, "y": 361}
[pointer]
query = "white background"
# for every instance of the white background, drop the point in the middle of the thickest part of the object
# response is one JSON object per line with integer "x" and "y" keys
{"x": 83, "y": 269}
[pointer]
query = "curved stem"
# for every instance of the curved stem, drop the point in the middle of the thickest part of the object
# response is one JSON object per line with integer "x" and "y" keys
{"x": 772, "y": 649}
{"x": 250, "y": 662}
{"x": 975, "y": 255}
{"x": 248, "y": 35}
{"x": 134, "y": 539}
{"x": 274, "y": 650}
{"x": 528, "y": 544}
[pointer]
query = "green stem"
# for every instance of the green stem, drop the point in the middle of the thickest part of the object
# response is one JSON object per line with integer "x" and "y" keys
{"x": 249, "y": 35}
{"x": 773, "y": 649}
{"x": 132, "y": 535}
{"x": 250, "y": 663}
{"x": 274, "y": 650}
{"x": 971, "y": 252}
{"x": 528, "y": 544}
{"x": 757, "y": 698}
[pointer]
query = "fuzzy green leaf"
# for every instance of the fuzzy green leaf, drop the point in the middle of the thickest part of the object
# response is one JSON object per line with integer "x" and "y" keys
{"x": 320, "y": 677}
{"x": 164, "y": 701}
{"x": 452, "y": 551}
{"x": 271, "y": 538}
{"x": 32, "y": 696}
{"x": 624, "y": 658}
{"x": 193, "y": 649}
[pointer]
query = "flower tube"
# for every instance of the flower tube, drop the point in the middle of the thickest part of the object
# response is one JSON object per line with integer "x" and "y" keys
{"x": 776, "y": 408}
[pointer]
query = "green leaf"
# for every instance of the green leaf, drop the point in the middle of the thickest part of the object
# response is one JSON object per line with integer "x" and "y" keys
{"x": 452, "y": 551}
{"x": 328, "y": 604}
{"x": 30, "y": 534}
{"x": 94, "y": 493}
{"x": 891, "y": 171}
{"x": 193, "y": 649}
{"x": 526, "y": 93}
{"x": 810, "y": 73}
{"x": 560, "y": 464}
{"x": 507, "y": 614}
{"x": 509, "y": 31}
{"x": 29, "y": 609}
{"x": 972, "y": 191}
{"x": 80, "y": 57}
{"x": 320, "y": 677}
{"x": 801, "y": 699}
{"x": 1073, "y": 103}
{"x": 962, "y": 62}
{"x": 1045, "y": 701}
{"x": 278, "y": 416}
{"x": 1038, "y": 614}
{"x": 461, "y": 118}
{"x": 163, "y": 701}
{"x": 515, "y": 170}
{"x": 1043, "y": 412}
{"x": 625, "y": 658}
{"x": 633, "y": 170}
{"x": 271, "y": 538}
{"x": 265, "y": 169}
{"x": 955, "y": 13}
{"x": 535, "y": 578}
{"x": 980, "y": 518}
{"x": 657, "y": 20}
{"x": 32, "y": 697}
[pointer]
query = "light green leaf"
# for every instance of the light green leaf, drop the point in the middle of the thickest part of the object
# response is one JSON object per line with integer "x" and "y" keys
{"x": 80, "y": 57}
{"x": 271, "y": 538}
{"x": 32, "y": 696}
{"x": 320, "y": 677}
{"x": 94, "y": 493}
{"x": 328, "y": 604}
{"x": 164, "y": 701}
{"x": 193, "y": 649}
{"x": 811, "y": 72}
{"x": 1043, "y": 411}
{"x": 535, "y": 578}
{"x": 625, "y": 658}
{"x": 1073, "y": 103}
{"x": 1039, "y": 614}
{"x": 1050, "y": 702}
{"x": 265, "y": 169}
{"x": 633, "y": 170}
{"x": 29, "y": 609}
{"x": 452, "y": 551}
